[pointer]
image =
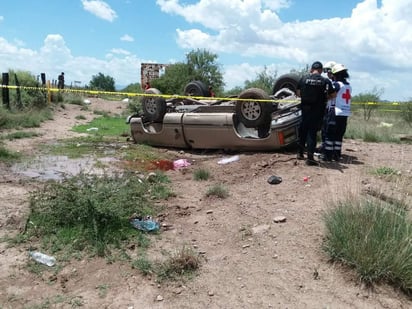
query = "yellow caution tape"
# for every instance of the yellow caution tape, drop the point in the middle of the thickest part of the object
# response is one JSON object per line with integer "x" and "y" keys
{"x": 169, "y": 96}
{"x": 134, "y": 94}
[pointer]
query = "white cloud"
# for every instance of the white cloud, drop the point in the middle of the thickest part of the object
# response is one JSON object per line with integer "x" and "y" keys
{"x": 1, "y": 18}
{"x": 100, "y": 9}
{"x": 374, "y": 41}
{"x": 120, "y": 51}
{"x": 127, "y": 38}
{"x": 55, "y": 57}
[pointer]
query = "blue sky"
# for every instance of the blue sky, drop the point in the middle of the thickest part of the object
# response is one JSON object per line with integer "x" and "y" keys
{"x": 84, "y": 37}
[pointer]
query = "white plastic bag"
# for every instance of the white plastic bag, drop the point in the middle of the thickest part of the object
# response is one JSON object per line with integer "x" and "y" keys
{"x": 229, "y": 160}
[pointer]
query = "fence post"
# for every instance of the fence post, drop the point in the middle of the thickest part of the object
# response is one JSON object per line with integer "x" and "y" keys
{"x": 19, "y": 102}
{"x": 5, "y": 90}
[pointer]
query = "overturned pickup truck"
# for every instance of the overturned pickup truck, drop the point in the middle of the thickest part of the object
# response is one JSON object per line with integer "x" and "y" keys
{"x": 251, "y": 121}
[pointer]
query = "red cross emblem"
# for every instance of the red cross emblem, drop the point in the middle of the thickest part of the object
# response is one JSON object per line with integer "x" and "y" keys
{"x": 346, "y": 96}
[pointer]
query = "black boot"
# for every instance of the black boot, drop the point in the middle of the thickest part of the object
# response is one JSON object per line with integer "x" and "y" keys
{"x": 300, "y": 155}
{"x": 311, "y": 160}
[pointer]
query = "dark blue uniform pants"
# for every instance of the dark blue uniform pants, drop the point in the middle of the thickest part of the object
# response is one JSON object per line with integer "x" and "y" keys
{"x": 335, "y": 130}
{"x": 308, "y": 129}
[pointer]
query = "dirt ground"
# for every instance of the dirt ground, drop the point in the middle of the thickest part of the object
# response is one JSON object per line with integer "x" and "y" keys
{"x": 249, "y": 260}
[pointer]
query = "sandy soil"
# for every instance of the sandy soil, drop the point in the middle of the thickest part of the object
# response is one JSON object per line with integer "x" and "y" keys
{"x": 249, "y": 260}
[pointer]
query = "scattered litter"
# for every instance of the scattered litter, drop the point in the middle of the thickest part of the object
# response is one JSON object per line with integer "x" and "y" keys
{"x": 167, "y": 226}
{"x": 229, "y": 160}
{"x": 279, "y": 219}
{"x": 274, "y": 180}
{"x": 385, "y": 125}
{"x": 306, "y": 178}
{"x": 180, "y": 163}
{"x": 92, "y": 129}
{"x": 125, "y": 100}
{"x": 146, "y": 225}
{"x": 43, "y": 258}
{"x": 151, "y": 177}
{"x": 87, "y": 101}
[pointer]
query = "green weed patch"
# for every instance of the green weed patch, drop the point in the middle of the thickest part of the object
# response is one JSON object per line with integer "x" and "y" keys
{"x": 105, "y": 125}
{"x": 89, "y": 213}
{"x": 201, "y": 174}
{"x": 7, "y": 155}
{"x": 374, "y": 238}
{"x": 217, "y": 190}
{"x": 20, "y": 135}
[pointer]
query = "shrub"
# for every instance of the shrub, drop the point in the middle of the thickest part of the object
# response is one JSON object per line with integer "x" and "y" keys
{"x": 406, "y": 112}
{"x": 182, "y": 262}
{"x": 373, "y": 238}
{"x": 201, "y": 174}
{"x": 386, "y": 171}
{"x": 144, "y": 265}
{"x": 23, "y": 119}
{"x": 7, "y": 155}
{"x": 89, "y": 212}
{"x": 135, "y": 106}
{"x": 20, "y": 135}
{"x": 217, "y": 190}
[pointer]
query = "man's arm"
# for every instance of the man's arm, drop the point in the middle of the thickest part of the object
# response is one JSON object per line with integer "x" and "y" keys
{"x": 331, "y": 90}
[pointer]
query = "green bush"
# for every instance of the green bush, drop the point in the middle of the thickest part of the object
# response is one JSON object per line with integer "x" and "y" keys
{"x": 183, "y": 262}
{"x": 201, "y": 174}
{"x": 144, "y": 265}
{"x": 7, "y": 155}
{"x": 372, "y": 237}
{"x": 20, "y": 135}
{"x": 406, "y": 112}
{"x": 34, "y": 96}
{"x": 135, "y": 106}
{"x": 23, "y": 119}
{"x": 386, "y": 171}
{"x": 217, "y": 190}
{"x": 89, "y": 212}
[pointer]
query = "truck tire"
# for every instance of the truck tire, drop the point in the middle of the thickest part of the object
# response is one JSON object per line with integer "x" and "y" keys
{"x": 196, "y": 89}
{"x": 154, "y": 108}
{"x": 289, "y": 81}
{"x": 251, "y": 113}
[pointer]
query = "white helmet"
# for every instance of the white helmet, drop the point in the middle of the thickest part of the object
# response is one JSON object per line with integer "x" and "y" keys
{"x": 329, "y": 65}
{"x": 338, "y": 68}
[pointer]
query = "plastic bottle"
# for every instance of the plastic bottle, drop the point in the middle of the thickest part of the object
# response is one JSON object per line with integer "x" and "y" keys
{"x": 43, "y": 258}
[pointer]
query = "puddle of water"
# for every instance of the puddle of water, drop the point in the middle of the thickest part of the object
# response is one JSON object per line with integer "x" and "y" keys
{"x": 58, "y": 167}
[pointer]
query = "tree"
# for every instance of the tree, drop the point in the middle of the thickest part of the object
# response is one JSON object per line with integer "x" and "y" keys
{"x": 368, "y": 101}
{"x": 302, "y": 71}
{"x": 133, "y": 88}
{"x": 234, "y": 91}
{"x": 200, "y": 65}
{"x": 174, "y": 79}
{"x": 102, "y": 82}
{"x": 264, "y": 80}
